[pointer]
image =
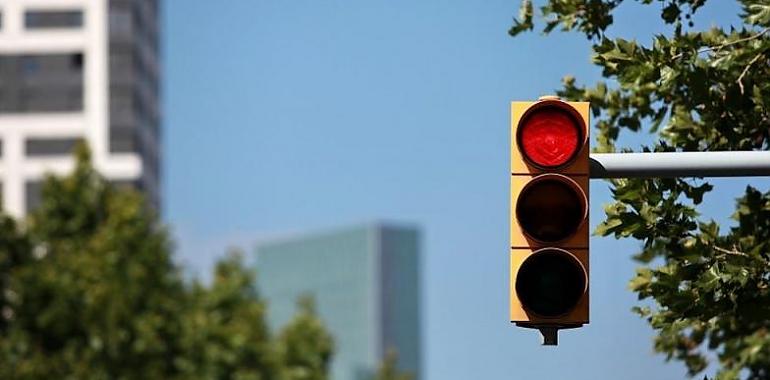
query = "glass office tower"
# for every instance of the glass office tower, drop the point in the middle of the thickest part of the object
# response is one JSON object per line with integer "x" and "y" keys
{"x": 366, "y": 284}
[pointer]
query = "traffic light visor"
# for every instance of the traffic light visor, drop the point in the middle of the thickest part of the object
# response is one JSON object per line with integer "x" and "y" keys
{"x": 551, "y": 208}
{"x": 551, "y": 282}
{"x": 550, "y": 136}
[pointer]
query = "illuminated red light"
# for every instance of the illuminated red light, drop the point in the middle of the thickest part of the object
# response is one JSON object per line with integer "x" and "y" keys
{"x": 549, "y": 137}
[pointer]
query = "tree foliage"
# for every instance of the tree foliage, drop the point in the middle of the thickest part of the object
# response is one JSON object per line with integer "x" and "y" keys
{"x": 389, "y": 368}
{"x": 696, "y": 90}
{"x": 224, "y": 333}
{"x": 305, "y": 346}
{"x": 88, "y": 290}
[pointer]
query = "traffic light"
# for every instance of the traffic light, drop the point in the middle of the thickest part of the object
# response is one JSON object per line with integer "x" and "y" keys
{"x": 549, "y": 215}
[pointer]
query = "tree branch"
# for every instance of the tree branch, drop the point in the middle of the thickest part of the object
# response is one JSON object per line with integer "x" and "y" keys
{"x": 733, "y": 251}
{"x": 746, "y": 70}
{"x": 726, "y": 44}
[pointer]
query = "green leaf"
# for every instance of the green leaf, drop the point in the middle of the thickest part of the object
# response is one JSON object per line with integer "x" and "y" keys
{"x": 607, "y": 227}
{"x": 757, "y": 12}
{"x": 671, "y": 13}
{"x": 642, "y": 280}
{"x": 524, "y": 22}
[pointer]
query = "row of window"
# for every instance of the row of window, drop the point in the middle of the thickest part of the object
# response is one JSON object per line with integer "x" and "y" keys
{"x": 51, "y": 19}
{"x": 134, "y": 20}
{"x": 41, "y": 147}
{"x": 37, "y": 147}
{"x": 33, "y": 191}
{"x": 41, "y": 82}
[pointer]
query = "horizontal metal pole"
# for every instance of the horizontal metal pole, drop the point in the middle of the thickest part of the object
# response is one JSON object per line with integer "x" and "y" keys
{"x": 680, "y": 164}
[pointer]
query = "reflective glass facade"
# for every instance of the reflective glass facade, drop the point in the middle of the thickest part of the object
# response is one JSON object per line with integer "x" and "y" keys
{"x": 366, "y": 284}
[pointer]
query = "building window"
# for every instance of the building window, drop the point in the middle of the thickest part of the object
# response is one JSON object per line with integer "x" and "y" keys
{"x": 41, "y": 19}
{"x": 123, "y": 139}
{"x": 50, "y": 147}
{"x": 41, "y": 83}
{"x": 33, "y": 194}
{"x": 76, "y": 61}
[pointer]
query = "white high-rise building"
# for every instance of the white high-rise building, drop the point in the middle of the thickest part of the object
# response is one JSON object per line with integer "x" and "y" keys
{"x": 75, "y": 70}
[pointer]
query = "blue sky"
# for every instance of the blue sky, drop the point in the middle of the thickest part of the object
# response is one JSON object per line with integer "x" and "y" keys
{"x": 287, "y": 116}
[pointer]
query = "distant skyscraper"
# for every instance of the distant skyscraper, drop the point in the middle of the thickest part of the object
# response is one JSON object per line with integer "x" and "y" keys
{"x": 78, "y": 70}
{"x": 366, "y": 283}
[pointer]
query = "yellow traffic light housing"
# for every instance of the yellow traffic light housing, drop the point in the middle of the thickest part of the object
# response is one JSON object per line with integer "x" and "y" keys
{"x": 549, "y": 215}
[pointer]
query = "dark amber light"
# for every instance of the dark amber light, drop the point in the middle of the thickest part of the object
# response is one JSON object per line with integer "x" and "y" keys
{"x": 549, "y": 137}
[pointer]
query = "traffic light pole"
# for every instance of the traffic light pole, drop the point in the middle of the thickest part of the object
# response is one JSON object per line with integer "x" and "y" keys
{"x": 680, "y": 164}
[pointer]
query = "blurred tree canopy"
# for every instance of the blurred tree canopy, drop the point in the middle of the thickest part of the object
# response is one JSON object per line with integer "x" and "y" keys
{"x": 389, "y": 368}
{"x": 695, "y": 89}
{"x": 304, "y": 345}
{"x": 88, "y": 290}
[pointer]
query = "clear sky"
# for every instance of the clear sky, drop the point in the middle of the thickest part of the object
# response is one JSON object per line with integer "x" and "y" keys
{"x": 287, "y": 116}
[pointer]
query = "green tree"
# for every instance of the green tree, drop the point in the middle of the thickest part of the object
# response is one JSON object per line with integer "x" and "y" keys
{"x": 305, "y": 346}
{"x": 389, "y": 368}
{"x": 88, "y": 290}
{"x": 695, "y": 90}
{"x": 93, "y": 291}
{"x": 224, "y": 331}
